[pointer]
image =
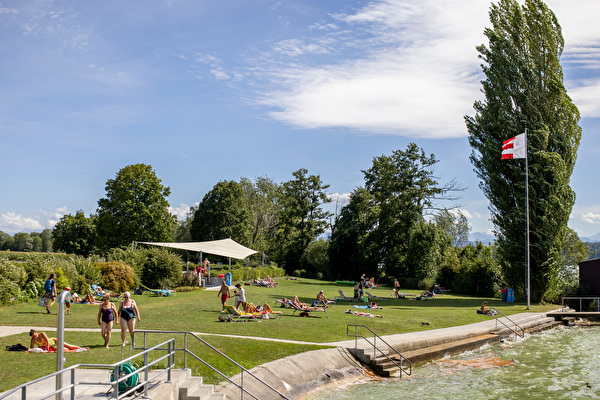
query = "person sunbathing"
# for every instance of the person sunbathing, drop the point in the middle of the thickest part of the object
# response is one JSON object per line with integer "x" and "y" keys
{"x": 364, "y": 314}
{"x": 100, "y": 292}
{"x": 298, "y": 304}
{"x": 41, "y": 340}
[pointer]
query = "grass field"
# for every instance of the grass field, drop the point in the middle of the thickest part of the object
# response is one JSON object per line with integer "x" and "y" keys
{"x": 197, "y": 311}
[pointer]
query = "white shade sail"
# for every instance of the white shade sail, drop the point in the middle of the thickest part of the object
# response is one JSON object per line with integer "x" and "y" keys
{"x": 223, "y": 247}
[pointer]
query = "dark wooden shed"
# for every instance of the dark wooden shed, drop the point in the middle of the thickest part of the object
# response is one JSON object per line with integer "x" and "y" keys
{"x": 589, "y": 276}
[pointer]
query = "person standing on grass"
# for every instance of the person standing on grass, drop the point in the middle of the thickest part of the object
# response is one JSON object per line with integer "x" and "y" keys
{"x": 106, "y": 315}
{"x": 224, "y": 293}
{"x": 128, "y": 312}
{"x": 396, "y": 288}
{"x": 240, "y": 296}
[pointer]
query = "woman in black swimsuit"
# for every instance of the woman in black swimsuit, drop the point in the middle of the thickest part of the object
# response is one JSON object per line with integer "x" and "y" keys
{"x": 128, "y": 312}
{"x": 106, "y": 315}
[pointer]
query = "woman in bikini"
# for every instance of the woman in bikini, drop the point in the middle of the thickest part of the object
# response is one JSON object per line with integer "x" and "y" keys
{"x": 41, "y": 340}
{"x": 106, "y": 315}
{"x": 128, "y": 312}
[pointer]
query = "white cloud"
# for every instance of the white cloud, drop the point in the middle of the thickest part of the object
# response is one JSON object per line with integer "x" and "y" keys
{"x": 587, "y": 97}
{"x": 413, "y": 71}
{"x": 181, "y": 212}
{"x": 12, "y": 223}
{"x": 409, "y": 68}
{"x": 591, "y": 218}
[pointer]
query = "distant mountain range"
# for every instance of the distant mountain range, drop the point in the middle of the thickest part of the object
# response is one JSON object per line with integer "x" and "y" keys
{"x": 483, "y": 237}
{"x": 487, "y": 238}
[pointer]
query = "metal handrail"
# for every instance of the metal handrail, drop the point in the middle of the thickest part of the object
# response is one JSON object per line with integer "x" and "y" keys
{"x": 116, "y": 367}
{"x": 186, "y": 351}
{"x": 376, "y": 349}
{"x": 515, "y": 331}
{"x": 581, "y": 298}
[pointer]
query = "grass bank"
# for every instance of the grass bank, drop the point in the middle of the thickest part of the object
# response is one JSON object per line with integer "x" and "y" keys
{"x": 197, "y": 312}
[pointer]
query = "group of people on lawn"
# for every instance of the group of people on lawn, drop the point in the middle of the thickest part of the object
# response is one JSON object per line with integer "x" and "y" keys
{"x": 126, "y": 315}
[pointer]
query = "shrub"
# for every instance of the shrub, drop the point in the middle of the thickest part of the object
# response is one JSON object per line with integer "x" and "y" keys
{"x": 12, "y": 276}
{"x": 117, "y": 276}
{"x": 189, "y": 279}
{"x": 161, "y": 269}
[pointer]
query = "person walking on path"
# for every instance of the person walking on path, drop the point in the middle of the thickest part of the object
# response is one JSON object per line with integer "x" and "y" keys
{"x": 106, "y": 315}
{"x": 224, "y": 293}
{"x": 50, "y": 294}
{"x": 128, "y": 312}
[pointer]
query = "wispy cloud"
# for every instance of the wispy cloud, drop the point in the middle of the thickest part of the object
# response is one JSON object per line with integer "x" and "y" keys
{"x": 409, "y": 69}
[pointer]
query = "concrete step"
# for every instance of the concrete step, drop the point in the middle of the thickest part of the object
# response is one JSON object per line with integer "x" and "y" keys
{"x": 421, "y": 356}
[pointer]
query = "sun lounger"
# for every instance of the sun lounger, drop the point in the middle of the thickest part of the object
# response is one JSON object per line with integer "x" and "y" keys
{"x": 159, "y": 292}
{"x": 99, "y": 292}
{"x": 371, "y": 297}
{"x": 238, "y": 315}
{"x": 344, "y": 297}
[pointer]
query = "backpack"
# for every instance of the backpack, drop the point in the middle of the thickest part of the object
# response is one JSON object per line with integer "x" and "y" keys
{"x": 16, "y": 347}
{"x": 48, "y": 285}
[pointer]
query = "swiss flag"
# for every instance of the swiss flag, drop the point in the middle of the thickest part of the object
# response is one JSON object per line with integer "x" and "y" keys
{"x": 514, "y": 147}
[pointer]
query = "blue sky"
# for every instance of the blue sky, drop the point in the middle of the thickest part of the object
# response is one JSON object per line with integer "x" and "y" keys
{"x": 205, "y": 91}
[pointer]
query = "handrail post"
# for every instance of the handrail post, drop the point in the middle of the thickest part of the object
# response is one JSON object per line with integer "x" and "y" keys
{"x": 116, "y": 381}
{"x": 242, "y": 384}
{"x": 185, "y": 336}
{"x": 72, "y": 383}
{"x": 146, "y": 374}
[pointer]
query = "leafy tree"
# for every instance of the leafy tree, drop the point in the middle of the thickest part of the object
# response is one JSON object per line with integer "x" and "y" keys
{"x": 135, "y": 209}
{"x": 315, "y": 257}
{"x": 181, "y": 229}
{"x": 262, "y": 197}
{"x": 455, "y": 226}
{"x": 75, "y": 234}
{"x": 349, "y": 251}
{"x": 302, "y": 219}
{"x": 23, "y": 242}
{"x": 402, "y": 185}
{"x": 426, "y": 249}
{"x": 47, "y": 244}
{"x": 524, "y": 91}
{"x": 479, "y": 273}
{"x": 223, "y": 213}
{"x": 6, "y": 241}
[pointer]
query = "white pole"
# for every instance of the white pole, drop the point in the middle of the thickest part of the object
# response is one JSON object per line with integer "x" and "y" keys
{"x": 527, "y": 202}
{"x": 65, "y": 295}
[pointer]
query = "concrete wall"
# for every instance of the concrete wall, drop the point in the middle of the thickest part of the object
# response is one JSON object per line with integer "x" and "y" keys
{"x": 297, "y": 375}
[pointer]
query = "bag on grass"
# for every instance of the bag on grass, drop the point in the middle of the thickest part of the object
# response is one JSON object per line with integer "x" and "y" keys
{"x": 16, "y": 347}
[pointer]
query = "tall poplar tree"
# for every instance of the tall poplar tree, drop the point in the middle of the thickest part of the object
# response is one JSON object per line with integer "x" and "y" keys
{"x": 524, "y": 90}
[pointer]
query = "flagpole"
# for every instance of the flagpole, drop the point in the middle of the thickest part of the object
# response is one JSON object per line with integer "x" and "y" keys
{"x": 527, "y": 202}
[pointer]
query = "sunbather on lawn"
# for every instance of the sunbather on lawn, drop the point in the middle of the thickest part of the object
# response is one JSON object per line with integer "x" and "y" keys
{"x": 41, "y": 340}
{"x": 364, "y": 314}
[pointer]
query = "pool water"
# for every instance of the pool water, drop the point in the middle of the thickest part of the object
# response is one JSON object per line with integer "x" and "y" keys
{"x": 563, "y": 363}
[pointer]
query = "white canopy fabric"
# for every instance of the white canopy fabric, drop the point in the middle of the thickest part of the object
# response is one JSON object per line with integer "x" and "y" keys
{"x": 223, "y": 247}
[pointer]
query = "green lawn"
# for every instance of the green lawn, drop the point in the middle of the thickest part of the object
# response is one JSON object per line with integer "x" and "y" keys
{"x": 197, "y": 312}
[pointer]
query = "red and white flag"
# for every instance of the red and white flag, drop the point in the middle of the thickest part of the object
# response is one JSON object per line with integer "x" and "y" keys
{"x": 514, "y": 147}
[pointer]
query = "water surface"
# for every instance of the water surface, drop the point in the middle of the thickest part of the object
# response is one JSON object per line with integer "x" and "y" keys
{"x": 563, "y": 363}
